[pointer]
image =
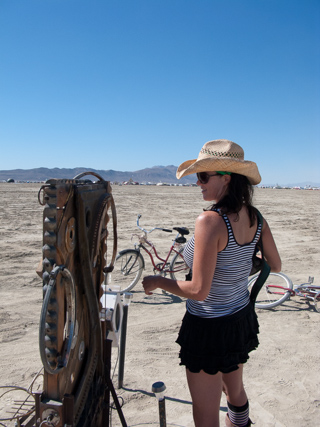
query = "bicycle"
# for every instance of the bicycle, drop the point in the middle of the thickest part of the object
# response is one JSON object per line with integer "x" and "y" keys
{"x": 129, "y": 263}
{"x": 274, "y": 293}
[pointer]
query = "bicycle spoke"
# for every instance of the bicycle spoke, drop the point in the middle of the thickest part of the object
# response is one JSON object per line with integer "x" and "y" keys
{"x": 277, "y": 289}
{"x": 178, "y": 267}
{"x": 316, "y": 302}
{"x": 127, "y": 270}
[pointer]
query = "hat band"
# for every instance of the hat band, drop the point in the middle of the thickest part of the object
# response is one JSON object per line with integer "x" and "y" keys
{"x": 221, "y": 153}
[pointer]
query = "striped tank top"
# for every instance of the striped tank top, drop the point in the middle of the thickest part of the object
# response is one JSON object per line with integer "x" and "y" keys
{"x": 229, "y": 288}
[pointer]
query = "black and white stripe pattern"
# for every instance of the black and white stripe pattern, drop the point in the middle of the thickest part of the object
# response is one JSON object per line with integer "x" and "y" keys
{"x": 239, "y": 415}
{"x": 229, "y": 289}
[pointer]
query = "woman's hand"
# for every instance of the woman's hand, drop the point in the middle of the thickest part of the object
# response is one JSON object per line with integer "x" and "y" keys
{"x": 149, "y": 284}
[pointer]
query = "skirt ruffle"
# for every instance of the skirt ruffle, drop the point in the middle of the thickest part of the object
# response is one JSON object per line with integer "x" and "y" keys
{"x": 218, "y": 344}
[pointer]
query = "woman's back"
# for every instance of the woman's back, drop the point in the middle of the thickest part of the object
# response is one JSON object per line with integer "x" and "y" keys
{"x": 242, "y": 230}
{"x": 228, "y": 293}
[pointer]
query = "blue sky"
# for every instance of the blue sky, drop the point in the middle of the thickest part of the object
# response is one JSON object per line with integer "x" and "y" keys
{"x": 129, "y": 84}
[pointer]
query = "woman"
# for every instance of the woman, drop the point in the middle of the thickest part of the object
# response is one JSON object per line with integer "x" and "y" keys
{"x": 220, "y": 326}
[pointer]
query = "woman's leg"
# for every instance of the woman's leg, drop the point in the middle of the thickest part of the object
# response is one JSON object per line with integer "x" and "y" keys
{"x": 238, "y": 407}
{"x": 233, "y": 387}
{"x": 205, "y": 392}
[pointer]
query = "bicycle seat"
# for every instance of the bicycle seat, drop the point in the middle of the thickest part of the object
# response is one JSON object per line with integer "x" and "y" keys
{"x": 182, "y": 230}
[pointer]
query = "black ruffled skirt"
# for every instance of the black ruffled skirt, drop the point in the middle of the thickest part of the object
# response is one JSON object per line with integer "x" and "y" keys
{"x": 218, "y": 344}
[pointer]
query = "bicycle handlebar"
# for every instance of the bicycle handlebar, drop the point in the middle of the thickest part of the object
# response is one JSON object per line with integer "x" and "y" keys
{"x": 167, "y": 230}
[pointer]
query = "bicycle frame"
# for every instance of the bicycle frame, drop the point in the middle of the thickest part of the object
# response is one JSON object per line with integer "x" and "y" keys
{"x": 163, "y": 261}
{"x": 130, "y": 262}
{"x": 305, "y": 290}
{"x": 143, "y": 240}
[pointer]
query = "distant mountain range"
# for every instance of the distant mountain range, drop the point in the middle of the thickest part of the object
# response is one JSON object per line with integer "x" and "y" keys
{"x": 154, "y": 175}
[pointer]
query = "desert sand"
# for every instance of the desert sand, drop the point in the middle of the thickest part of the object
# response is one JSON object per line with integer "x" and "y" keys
{"x": 282, "y": 376}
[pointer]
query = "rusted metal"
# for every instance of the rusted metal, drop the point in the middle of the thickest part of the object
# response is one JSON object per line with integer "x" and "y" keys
{"x": 76, "y": 218}
{"x": 73, "y": 340}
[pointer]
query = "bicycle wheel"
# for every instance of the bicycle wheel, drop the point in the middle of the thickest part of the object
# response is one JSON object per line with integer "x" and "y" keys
{"x": 178, "y": 267}
{"x": 274, "y": 292}
{"x": 316, "y": 302}
{"x": 127, "y": 270}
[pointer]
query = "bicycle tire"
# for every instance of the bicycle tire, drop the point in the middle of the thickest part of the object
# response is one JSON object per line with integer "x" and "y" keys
{"x": 178, "y": 267}
{"x": 128, "y": 266}
{"x": 271, "y": 294}
{"x": 316, "y": 302}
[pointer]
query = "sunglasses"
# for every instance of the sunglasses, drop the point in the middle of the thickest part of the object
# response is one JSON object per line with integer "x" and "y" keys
{"x": 204, "y": 177}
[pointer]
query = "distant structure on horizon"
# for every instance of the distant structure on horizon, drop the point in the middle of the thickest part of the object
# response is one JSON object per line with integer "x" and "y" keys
{"x": 154, "y": 175}
{"x": 157, "y": 175}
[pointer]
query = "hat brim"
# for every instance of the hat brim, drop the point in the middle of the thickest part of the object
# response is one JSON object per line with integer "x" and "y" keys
{"x": 242, "y": 167}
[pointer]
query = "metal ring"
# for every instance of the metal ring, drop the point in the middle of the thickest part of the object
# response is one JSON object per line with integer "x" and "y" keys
{"x": 62, "y": 360}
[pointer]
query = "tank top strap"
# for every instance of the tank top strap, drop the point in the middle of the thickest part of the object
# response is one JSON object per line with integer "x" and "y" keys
{"x": 228, "y": 224}
{"x": 230, "y": 230}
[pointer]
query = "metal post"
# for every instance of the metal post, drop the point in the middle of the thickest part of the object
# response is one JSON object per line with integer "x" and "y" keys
{"x": 127, "y": 297}
{"x": 162, "y": 412}
{"x": 122, "y": 345}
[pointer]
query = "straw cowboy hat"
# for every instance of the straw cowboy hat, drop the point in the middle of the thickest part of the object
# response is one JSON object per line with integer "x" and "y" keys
{"x": 221, "y": 155}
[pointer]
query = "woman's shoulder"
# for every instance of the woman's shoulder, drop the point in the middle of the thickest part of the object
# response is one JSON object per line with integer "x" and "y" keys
{"x": 209, "y": 219}
{"x": 211, "y": 230}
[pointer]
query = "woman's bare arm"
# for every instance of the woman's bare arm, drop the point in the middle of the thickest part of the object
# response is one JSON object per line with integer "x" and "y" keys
{"x": 207, "y": 234}
{"x": 270, "y": 250}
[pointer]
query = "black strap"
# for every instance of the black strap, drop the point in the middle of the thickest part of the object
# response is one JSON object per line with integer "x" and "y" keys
{"x": 264, "y": 273}
{"x": 265, "y": 270}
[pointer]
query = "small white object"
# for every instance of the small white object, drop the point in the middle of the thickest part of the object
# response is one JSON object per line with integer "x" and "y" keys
{"x": 158, "y": 389}
{"x": 112, "y": 313}
{"x": 126, "y": 298}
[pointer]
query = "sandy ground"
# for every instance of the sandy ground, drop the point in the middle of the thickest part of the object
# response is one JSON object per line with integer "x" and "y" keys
{"x": 282, "y": 376}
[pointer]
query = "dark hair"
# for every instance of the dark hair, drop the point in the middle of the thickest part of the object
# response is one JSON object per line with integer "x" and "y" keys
{"x": 240, "y": 193}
